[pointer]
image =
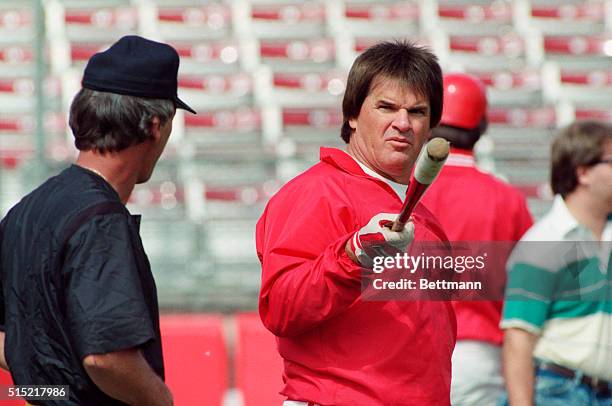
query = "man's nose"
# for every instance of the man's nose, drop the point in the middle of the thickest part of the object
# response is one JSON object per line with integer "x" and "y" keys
{"x": 402, "y": 121}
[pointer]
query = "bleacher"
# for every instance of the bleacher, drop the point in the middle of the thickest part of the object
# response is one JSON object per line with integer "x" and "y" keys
{"x": 267, "y": 78}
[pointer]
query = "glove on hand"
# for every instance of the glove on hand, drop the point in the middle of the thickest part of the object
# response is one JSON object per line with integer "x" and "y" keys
{"x": 376, "y": 239}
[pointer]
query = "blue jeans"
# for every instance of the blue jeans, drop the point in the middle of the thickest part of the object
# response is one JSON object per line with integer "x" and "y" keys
{"x": 554, "y": 390}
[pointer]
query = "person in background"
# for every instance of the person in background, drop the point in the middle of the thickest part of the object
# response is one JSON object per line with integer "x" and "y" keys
{"x": 78, "y": 303}
{"x": 557, "y": 316}
{"x": 473, "y": 205}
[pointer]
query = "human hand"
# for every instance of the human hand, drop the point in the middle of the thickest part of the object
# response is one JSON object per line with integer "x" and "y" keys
{"x": 376, "y": 239}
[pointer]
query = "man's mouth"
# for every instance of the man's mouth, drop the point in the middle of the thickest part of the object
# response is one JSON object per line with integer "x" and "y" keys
{"x": 399, "y": 142}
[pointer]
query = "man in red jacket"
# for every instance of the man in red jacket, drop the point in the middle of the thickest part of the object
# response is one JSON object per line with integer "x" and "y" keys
{"x": 473, "y": 206}
{"x": 315, "y": 238}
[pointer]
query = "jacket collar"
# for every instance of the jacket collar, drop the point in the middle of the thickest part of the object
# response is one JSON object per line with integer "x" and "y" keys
{"x": 460, "y": 157}
{"x": 341, "y": 160}
{"x": 346, "y": 163}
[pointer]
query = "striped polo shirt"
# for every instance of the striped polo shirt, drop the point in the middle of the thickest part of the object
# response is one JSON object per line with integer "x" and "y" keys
{"x": 560, "y": 289}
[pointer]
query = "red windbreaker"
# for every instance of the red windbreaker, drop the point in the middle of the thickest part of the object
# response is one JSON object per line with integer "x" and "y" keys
{"x": 475, "y": 206}
{"x": 337, "y": 348}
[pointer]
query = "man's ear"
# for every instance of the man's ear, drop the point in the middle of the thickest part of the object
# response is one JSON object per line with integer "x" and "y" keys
{"x": 582, "y": 175}
{"x": 155, "y": 129}
{"x": 353, "y": 123}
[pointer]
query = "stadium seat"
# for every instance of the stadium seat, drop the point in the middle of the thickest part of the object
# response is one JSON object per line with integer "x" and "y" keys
{"x": 309, "y": 128}
{"x": 307, "y": 55}
{"x": 216, "y": 91}
{"x": 16, "y": 60}
{"x": 518, "y": 140}
{"x": 5, "y": 379}
{"x": 208, "y": 56}
{"x": 579, "y": 86}
{"x": 579, "y": 51}
{"x": 465, "y": 18}
{"x": 257, "y": 364}
{"x": 488, "y": 52}
{"x": 16, "y": 23}
{"x": 195, "y": 357}
{"x": 586, "y": 17}
{"x": 313, "y": 89}
{"x": 192, "y": 22}
{"x": 512, "y": 87}
{"x": 105, "y": 23}
{"x": 593, "y": 113}
{"x": 241, "y": 125}
{"x": 286, "y": 20}
{"x": 379, "y": 19}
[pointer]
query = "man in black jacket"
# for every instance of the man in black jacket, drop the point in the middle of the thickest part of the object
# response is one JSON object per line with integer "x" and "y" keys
{"x": 78, "y": 304}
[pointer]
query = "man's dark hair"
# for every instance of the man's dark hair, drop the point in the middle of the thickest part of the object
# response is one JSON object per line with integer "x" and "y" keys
{"x": 579, "y": 145}
{"x": 459, "y": 137}
{"x": 412, "y": 66}
{"x": 109, "y": 122}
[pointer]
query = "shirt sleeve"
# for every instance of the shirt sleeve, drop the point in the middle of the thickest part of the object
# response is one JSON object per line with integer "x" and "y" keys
{"x": 307, "y": 277}
{"x": 105, "y": 306}
{"x": 528, "y": 297}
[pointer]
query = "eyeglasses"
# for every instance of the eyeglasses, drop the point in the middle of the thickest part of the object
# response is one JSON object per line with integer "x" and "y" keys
{"x": 605, "y": 160}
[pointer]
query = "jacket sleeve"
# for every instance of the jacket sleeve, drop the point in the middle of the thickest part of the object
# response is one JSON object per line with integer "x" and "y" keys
{"x": 523, "y": 219}
{"x": 307, "y": 278}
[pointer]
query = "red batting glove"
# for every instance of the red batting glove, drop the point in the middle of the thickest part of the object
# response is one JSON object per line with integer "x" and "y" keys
{"x": 376, "y": 239}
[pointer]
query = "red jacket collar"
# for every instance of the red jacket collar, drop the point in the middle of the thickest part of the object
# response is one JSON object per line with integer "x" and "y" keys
{"x": 346, "y": 163}
{"x": 341, "y": 160}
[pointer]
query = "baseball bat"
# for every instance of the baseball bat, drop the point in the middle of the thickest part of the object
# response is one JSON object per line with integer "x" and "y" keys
{"x": 428, "y": 165}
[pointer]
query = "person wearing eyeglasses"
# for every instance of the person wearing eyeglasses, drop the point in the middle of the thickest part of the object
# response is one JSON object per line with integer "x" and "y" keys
{"x": 558, "y": 310}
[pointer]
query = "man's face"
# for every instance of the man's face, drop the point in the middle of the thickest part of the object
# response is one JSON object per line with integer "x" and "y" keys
{"x": 156, "y": 147}
{"x": 392, "y": 126}
{"x": 599, "y": 177}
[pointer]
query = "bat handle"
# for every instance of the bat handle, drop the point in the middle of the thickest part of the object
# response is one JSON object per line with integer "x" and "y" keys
{"x": 397, "y": 225}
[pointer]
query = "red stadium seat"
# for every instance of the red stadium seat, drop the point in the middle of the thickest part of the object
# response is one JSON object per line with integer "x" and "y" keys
{"x": 257, "y": 364}
{"x": 308, "y": 89}
{"x": 475, "y": 18}
{"x": 238, "y": 120}
{"x": 195, "y": 358}
{"x": 594, "y": 113}
{"x": 5, "y": 379}
{"x": 568, "y": 18}
{"x": 596, "y": 78}
{"x": 216, "y": 91}
{"x": 597, "y": 45}
{"x": 191, "y": 22}
{"x": 288, "y": 20}
{"x": 488, "y": 52}
{"x": 317, "y": 118}
{"x": 80, "y": 52}
{"x": 199, "y": 57}
{"x": 512, "y": 87}
{"x": 542, "y": 117}
{"x": 388, "y": 19}
{"x": 307, "y": 55}
{"x": 100, "y": 23}
{"x": 16, "y": 54}
{"x": 14, "y": 19}
{"x": 510, "y": 79}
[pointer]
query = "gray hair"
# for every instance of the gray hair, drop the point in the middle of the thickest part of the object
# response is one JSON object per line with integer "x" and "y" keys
{"x": 110, "y": 122}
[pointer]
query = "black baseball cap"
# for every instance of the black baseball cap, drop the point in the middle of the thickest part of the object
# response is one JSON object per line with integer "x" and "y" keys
{"x": 136, "y": 66}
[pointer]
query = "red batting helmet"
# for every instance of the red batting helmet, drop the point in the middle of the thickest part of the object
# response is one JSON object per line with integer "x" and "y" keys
{"x": 465, "y": 101}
